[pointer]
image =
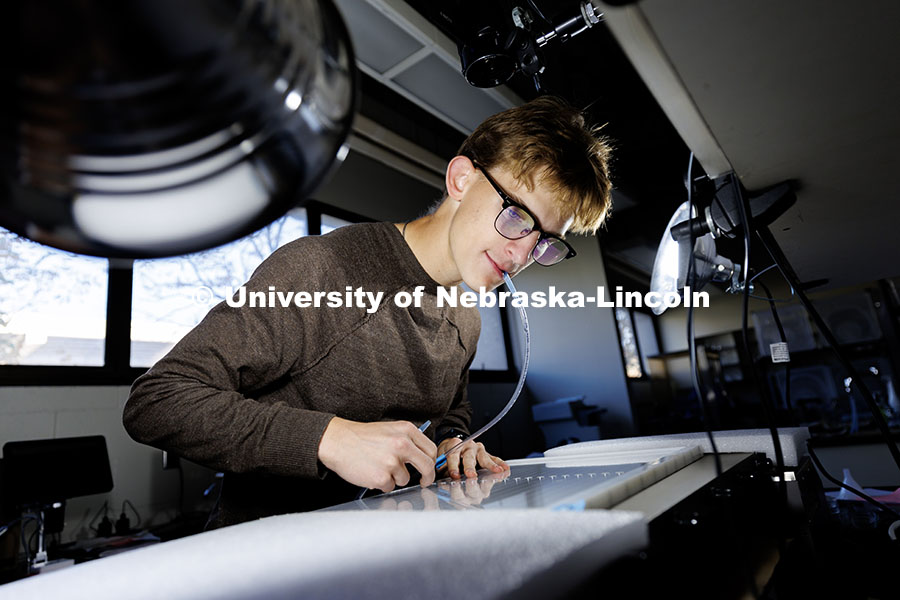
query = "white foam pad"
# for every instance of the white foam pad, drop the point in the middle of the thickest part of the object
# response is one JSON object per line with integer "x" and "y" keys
{"x": 353, "y": 554}
{"x": 793, "y": 443}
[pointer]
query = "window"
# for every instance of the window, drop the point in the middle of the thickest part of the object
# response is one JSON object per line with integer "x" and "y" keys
{"x": 491, "y": 352}
{"x": 646, "y": 336}
{"x": 171, "y": 295}
{"x": 56, "y": 307}
{"x": 629, "y": 344}
{"x": 330, "y": 223}
{"x": 52, "y": 305}
{"x": 637, "y": 335}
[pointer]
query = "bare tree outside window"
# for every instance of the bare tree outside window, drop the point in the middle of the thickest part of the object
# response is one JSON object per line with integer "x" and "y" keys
{"x": 52, "y": 305}
{"x": 171, "y": 295}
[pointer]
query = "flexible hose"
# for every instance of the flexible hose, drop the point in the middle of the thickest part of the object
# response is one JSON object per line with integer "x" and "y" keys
{"x": 443, "y": 457}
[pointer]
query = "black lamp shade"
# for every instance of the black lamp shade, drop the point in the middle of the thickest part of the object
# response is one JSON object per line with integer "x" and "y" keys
{"x": 159, "y": 127}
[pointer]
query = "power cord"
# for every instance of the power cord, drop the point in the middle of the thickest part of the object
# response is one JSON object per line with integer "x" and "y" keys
{"x": 137, "y": 515}
{"x": 765, "y": 400}
{"x": 25, "y": 518}
{"x": 771, "y": 246}
{"x": 25, "y": 541}
{"x": 781, "y": 334}
{"x": 123, "y": 525}
{"x": 105, "y": 527}
{"x": 692, "y": 342}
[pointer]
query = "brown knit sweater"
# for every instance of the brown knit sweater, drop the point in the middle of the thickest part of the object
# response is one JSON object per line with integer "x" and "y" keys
{"x": 250, "y": 391}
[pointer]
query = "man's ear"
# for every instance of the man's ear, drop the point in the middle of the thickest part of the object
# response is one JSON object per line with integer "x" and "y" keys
{"x": 459, "y": 176}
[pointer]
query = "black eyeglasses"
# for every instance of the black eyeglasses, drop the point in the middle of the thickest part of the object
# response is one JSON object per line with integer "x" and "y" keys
{"x": 515, "y": 222}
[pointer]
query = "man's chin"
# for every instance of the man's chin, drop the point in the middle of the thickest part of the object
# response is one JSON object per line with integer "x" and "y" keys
{"x": 487, "y": 285}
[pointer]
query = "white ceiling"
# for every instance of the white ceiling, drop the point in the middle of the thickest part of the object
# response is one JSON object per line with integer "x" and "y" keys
{"x": 805, "y": 90}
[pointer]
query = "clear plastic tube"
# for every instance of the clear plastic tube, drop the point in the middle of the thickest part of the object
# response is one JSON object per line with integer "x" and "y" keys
{"x": 443, "y": 457}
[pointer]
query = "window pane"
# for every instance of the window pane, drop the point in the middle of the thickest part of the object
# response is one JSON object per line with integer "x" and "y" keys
{"x": 330, "y": 223}
{"x": 172, "y": 295}
{"x": 52, "y": 305}
{"x": 646, "y": 335}
{"x": 491, "y": 352}
{"x": 629, "y": 346}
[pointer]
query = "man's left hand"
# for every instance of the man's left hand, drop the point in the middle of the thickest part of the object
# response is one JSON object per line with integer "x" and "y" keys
{"x": 468, "y": 457}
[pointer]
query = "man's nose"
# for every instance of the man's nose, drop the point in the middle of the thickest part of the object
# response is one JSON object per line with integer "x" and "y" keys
{"x": 520, "y": 250}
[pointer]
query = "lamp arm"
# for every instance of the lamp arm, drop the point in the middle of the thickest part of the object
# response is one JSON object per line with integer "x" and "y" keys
{"x": 723, "y": 218}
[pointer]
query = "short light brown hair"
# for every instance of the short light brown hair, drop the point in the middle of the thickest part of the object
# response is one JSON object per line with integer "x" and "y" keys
{"x": 549, "y": 135}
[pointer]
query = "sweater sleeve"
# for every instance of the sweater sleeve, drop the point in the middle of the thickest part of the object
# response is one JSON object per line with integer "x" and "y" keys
{"x": 197, "y": 401}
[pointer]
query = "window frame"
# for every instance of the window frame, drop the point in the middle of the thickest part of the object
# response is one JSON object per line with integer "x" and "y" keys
{"x": 645, "y": 375}
{"x": 117, "y": 369}
{"x": 499, "y": 376}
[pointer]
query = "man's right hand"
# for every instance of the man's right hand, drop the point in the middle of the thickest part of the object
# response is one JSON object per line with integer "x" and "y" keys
{"x": 375, "y": 455}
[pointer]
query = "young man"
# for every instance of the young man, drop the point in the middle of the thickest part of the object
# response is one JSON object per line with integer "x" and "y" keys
{"x": 300, "y": 406}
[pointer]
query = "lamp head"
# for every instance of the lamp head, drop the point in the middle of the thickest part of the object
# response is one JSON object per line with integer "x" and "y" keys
{"x": 506, "y": 37}
{"x": 489, "y": 59}
{"x": 670, "y": 268}
{"x": 153, "y": 128}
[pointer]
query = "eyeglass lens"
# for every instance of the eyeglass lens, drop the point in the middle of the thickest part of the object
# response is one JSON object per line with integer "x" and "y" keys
{"x": 513, "y": 223}
{"x": 549, "y": 251}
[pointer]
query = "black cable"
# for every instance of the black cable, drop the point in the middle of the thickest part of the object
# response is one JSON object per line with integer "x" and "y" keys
{"x": 787, "y": 365}
{"x": 692, "y": 342}
{"x": 105, "y": 510}
{"x": 768, "y": 410}
{"x": 771, "y": 246}
{"x": 26, "y": 543}
{"x": 772, "y": 299}
{"x": 540, "y": 14}
{"x": 10, "y": 525}
{"x": 25, "y": 548}
{"x": 31, "y": 538}
{"x": 24, "y": 519}
{"x": 866, "y": 497}
{"x": 5, "y": 527}
{"x": 134, "y": 510}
